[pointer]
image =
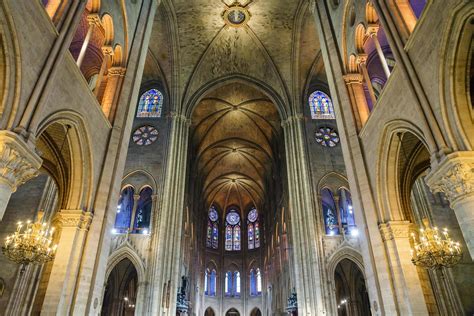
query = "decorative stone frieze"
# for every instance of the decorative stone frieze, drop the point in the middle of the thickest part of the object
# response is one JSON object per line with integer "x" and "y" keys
{"x": 18, "y": 164}
{"x": 73, "y": 218}
{"x": 454, "y": 176}
{"x": 394, "y": 229}
{"x": 117, "y": 71}
{"x": 353, "y": 78}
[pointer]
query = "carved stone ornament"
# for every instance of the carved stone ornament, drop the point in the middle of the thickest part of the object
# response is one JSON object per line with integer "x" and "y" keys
{"x": 394, "y": 229}
{"x": 454, "y": 176}
{"x": 18, "y": 162}
{"x": 73, "y": 218}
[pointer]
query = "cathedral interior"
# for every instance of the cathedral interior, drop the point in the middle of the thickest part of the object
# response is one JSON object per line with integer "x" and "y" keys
{"x": 236, "y": 157}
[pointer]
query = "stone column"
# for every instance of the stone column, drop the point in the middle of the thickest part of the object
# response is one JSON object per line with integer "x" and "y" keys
{"x": 107, "y": 51}
{"x": 454, "y": 176}
{"x": 18, "y": 163}
{"x": 165, "y": 262}
{"x": 407, "y": 285}
{"x": 93, "y": 20}
{"x": 372, "y": 32}
{"x": 72, "y": 226}
{"x": 362, "y": 62}
{"x": 357, "y": 96}
{"x": 305, "y": 230}
{"x": 112, "y": 91}
{"x": 136, "y": 197}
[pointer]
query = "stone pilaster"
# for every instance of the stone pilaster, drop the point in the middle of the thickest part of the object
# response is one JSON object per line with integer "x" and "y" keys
{"x": 395, "y": 235}
{"x": 355, "y": 88}
{"x": 307, "y": 250}
{"x": 72, "y": 227}
{"x": 454, "y": 176}
{"x": 165, "y": 262}
{"x": 112, "y": 90}
{"x": 18, "y": 164}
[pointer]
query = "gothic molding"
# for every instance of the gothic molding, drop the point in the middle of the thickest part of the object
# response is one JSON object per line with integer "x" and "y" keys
{"x": 117, "y": 71}
{"x": 292, "y": 119}
{"x": 454, "y": 176}
{"x": 181, "y": 118}
{"x": 394, "y": 230}
{"x": 353, "y": 78}
{"x": 18, "y": 161}
{"x": 73, "y": 218}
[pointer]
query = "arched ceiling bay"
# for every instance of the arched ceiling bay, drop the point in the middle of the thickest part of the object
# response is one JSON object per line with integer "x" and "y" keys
{"x": 235, "y": 129}
{"x": 194, "y": 45}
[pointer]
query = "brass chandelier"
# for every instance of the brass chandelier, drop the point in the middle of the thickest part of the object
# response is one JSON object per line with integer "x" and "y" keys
{"x": 433, "y": 249}
{"x": 31, "y": 243}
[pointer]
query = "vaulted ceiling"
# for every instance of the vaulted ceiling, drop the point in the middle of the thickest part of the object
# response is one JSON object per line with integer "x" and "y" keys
{"x": 192, "y": 46}
{"x": 234, "y": 137}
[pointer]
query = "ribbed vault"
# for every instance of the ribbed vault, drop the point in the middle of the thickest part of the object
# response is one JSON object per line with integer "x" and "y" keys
{"x": 234, "y": 133}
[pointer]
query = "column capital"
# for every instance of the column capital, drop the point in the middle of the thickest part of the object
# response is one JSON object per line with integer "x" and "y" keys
{"x": 454, "y": 176}
{"x": 394, "y": 229}
{"x": 353, "y": 78}
{"x": 117, "y": 71}
{"x": 107, "y": 50}
{"x": 73, "y": 218}
{"x": 94, "y": 20}
{"x": 292, "y": 119}
{"x": 361, "y": 59}
{"x": 372, "y": 29}
{"x": 180, "y": 117}
{"x": 18, "y": 161}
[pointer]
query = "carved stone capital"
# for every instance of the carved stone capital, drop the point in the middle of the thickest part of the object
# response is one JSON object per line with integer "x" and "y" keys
{"x": 73, "y": 218}
{"x": 454, "y": 176}
{"x": 117, "y": 71}
{"x": 94, "y": 20}
{"x": 361, "y": 59}
{"x": 372, "y": 29}
{"x": 292, "y": 119}
{"x": 394, "y": 229}
{"x": 353, "y": 78}
{"x": 108, "y": 50}
{"x": 180, "y": 117}
{"x": 18, "y": 161}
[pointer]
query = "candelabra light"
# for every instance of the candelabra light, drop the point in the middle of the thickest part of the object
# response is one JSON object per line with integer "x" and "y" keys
{"x": 434, "y": 249}
{"x": 31, "y": 243}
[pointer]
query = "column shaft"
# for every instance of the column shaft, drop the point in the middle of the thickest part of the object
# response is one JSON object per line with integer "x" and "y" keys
{"x": 306, "y": 244}
{"x": 382, "y": 58}
{"x": 59, "y": 293}
{"x": 85, "y": 44}
{"x": 165, "y": 264}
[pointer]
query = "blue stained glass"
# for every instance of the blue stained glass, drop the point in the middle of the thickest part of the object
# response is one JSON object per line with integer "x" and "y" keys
{"x": 253, "y": 283}
{"x": 215, "y": 236}
{"x": 331, "y": 222}
{"x": 143, "y": 212}
{"x": 320, "y": 106}
{"x": 124, "y": 210}
{"x": 212, "y": 283}
{"x": 212, "y": 240}
{"x": 150, "y": 104}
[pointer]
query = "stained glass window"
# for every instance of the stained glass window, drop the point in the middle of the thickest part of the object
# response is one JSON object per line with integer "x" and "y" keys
{"x": 124, "y": 210}
{"x": 331, "y": 222}
{"x": 143, "y": 211}
{"x": 232, "y": 231}
{"x": 228, "y": 283}
{"x": 150, "y": 104}
{"x": 212, "y": 234}
{"x": 327, "y": 137}
{"x": 206, "y": 282}
{"x": 253, "y": 229}
{"x": 255, "y": 282}
{"x": 236, "y": 283}
{"x": 213, "y": 283}
{"x": 145, "y": 135}
{"x": 320, "y": 106}
{"x": 346, "y": 211}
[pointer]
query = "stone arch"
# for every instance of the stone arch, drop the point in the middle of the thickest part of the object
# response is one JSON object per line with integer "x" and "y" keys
{"x": 266, "y": 89}
{"x": 209, "y": 312}
{"x": 345, "y": 252}
{"x": 77, "y": 174}
{"x": 391, "y": 186}
{"x": 126, "y": 252}
{"x": 333, "y": 181}
{"x": 457, "y": 83}
{"x": 9, "y": 69}
{"x": 117, "y": 59}
{"x": 108, "y": 26}
{"x": 233, "y": 311}
{"x": 370, "y": 15}
{"x": 360, "y": 37}
{"x": 255, "y": 312}
{"x": 138, "y": 179}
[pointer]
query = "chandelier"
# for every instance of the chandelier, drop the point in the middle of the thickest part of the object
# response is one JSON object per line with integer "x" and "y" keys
{"x": 32, "y": 244}
{"x": 433, "y": 249}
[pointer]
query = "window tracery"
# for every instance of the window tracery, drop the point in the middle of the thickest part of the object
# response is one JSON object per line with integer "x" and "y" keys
{"x": 212, "y": 240}
{"x": 232, "y": 231}
{"x": 253, "y": 229}
{"x": 320, "y": 106}
{"x": 150, "y": 104}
